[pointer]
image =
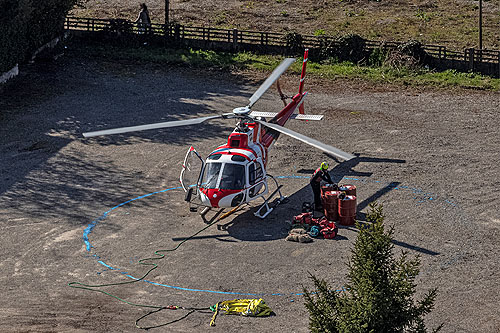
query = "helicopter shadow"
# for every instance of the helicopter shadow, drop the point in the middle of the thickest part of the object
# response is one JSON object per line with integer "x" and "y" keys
{"x": 247, "y": 227}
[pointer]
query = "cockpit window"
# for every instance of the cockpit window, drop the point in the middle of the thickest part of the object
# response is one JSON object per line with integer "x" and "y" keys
{"x": 237, "y": 158}
{"x": 214, "y": 156}
{"x": 255, "y": 173}
{"x": 211, "y": 175}
{"x": 233, "y": 177}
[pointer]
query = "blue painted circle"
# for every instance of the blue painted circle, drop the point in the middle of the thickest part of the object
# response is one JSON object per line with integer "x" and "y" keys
{"x": 427, "y": 196}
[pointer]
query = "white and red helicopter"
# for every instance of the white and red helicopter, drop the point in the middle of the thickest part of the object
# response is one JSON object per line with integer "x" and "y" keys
{"x": 235, "y": 173}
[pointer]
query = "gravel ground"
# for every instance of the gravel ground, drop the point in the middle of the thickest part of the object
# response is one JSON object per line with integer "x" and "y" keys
{"x": 431, "y": 157}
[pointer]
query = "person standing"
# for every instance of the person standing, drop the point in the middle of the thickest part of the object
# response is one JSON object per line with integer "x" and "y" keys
{"x": 320, "y": 174}
{"x": 143, "y": 20}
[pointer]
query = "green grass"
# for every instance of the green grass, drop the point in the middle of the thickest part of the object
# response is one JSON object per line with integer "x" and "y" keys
{"x": 331, "y": 71}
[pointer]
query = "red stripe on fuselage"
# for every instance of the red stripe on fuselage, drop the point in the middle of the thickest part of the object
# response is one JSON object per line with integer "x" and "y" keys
{"x": 218, "y": 193}
{"x": 231, "y": 151}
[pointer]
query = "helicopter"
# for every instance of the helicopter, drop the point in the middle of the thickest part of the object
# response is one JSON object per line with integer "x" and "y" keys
{"x": 235, "y": 172}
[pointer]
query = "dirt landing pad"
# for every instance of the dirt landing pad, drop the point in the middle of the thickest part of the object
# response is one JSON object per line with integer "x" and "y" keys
{"x": 431, "y": 157}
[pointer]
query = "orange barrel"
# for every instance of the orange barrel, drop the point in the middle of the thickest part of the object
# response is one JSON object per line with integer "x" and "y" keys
{"x": 330, "y": 205}
{"x": 328, "y": 187}
{"x": 347, "y": 210}
{"x": 348, "y": 189}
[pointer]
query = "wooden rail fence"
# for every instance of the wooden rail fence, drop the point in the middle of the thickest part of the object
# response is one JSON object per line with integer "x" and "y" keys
{"x": 484, "y": 61}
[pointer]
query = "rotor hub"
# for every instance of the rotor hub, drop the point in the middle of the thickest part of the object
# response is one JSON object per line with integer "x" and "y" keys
{"x": 242, "y": 111}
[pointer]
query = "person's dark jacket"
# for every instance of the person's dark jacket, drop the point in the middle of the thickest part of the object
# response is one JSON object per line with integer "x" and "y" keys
{"x": 319, "y": 175}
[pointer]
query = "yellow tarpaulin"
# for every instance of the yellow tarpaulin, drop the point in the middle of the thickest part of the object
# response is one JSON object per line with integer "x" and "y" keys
{"x": 244, "y": 307}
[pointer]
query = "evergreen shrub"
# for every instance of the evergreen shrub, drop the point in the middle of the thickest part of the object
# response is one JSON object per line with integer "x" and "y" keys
{"x": 379, "y": 294}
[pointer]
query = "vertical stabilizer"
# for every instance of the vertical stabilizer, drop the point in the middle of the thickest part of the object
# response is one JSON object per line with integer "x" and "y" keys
{"x": 302, "y": 78}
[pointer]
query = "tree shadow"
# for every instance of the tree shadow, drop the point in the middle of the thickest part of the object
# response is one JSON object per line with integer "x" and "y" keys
{"x": 345, "y": 169}
{"x": 66, "y": 186}
{"x": 414, "y": 248}
{"x": 45, "y": 174}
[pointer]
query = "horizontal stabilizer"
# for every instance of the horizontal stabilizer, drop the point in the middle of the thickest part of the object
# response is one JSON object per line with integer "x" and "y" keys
{"x": 293, "y": 116}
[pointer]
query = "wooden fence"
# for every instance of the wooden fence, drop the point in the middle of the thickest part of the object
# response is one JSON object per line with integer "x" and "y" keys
{"x": 483, "y": 61}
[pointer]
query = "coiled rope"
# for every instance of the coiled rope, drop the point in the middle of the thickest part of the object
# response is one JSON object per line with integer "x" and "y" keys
{"x": 159, "y": 254}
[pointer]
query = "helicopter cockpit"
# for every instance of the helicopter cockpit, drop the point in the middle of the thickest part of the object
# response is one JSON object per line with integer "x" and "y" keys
{"x": 224, "y": 175}
{"x": 229, "y": 178}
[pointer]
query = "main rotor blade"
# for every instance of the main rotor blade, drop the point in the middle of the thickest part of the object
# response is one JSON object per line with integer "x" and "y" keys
{"x": 270, "y": 80}
{"x": 310, "y": 141}
{"x": 166, "y": 124}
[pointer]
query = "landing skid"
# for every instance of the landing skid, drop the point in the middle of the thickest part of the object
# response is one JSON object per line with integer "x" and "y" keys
{"x": 265, "y": 208}
{"x": 204, "y": 212}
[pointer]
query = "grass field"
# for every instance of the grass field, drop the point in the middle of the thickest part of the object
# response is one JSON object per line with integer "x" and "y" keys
{"x": 247, "y": 61}
{"x": 453, "y": 23}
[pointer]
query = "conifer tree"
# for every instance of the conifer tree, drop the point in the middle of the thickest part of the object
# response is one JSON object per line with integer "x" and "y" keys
{"x": 379, "y": 294}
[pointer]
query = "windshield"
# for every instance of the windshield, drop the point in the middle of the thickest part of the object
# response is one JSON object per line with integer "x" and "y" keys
{"x": 211, "y": 175}
{"x": 233, "y": 177}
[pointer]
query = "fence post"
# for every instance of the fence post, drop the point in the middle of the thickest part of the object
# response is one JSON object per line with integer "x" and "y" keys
{"x": 499, "y": 64}
{"x": 235, "y": 39}
{"x": 472, "y": 55}
{"x": 177, "y": 32}
{"x": 470, "y": 58}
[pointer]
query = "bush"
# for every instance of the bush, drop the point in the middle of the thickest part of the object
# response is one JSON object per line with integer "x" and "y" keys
{"x": 328, "y": 48}
{"x": 120, "y": 26}
{"x": 378, "y": 56}
{"x": 401, "y": 62}
{"x": 294, "y": 43}
{"x": 414, "y": 49}
{"x": 379, "y": 294}
{"x": 351, "y": 47}
{"x": 27, "y": 25}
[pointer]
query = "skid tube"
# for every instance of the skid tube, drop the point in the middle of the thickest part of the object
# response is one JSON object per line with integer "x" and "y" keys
{"x": 265, "y": 205}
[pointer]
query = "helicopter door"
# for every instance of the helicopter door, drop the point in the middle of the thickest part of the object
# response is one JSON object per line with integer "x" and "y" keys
{"x": 191, "y": 169}
{"x": 256, "y": 180}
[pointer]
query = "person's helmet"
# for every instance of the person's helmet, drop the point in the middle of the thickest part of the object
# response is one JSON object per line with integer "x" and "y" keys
{"x": 324, "y": 166}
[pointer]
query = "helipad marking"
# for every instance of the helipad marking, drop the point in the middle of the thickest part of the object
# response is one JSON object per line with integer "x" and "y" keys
{"x": 427, "y": 195}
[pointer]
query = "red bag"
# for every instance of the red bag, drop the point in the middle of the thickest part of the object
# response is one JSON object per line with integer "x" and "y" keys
{"x": 329, "y": 231}
{"x": 323, "y": 222}
{"x": 315, "y": 221}
{"x": 303, "y": 218}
